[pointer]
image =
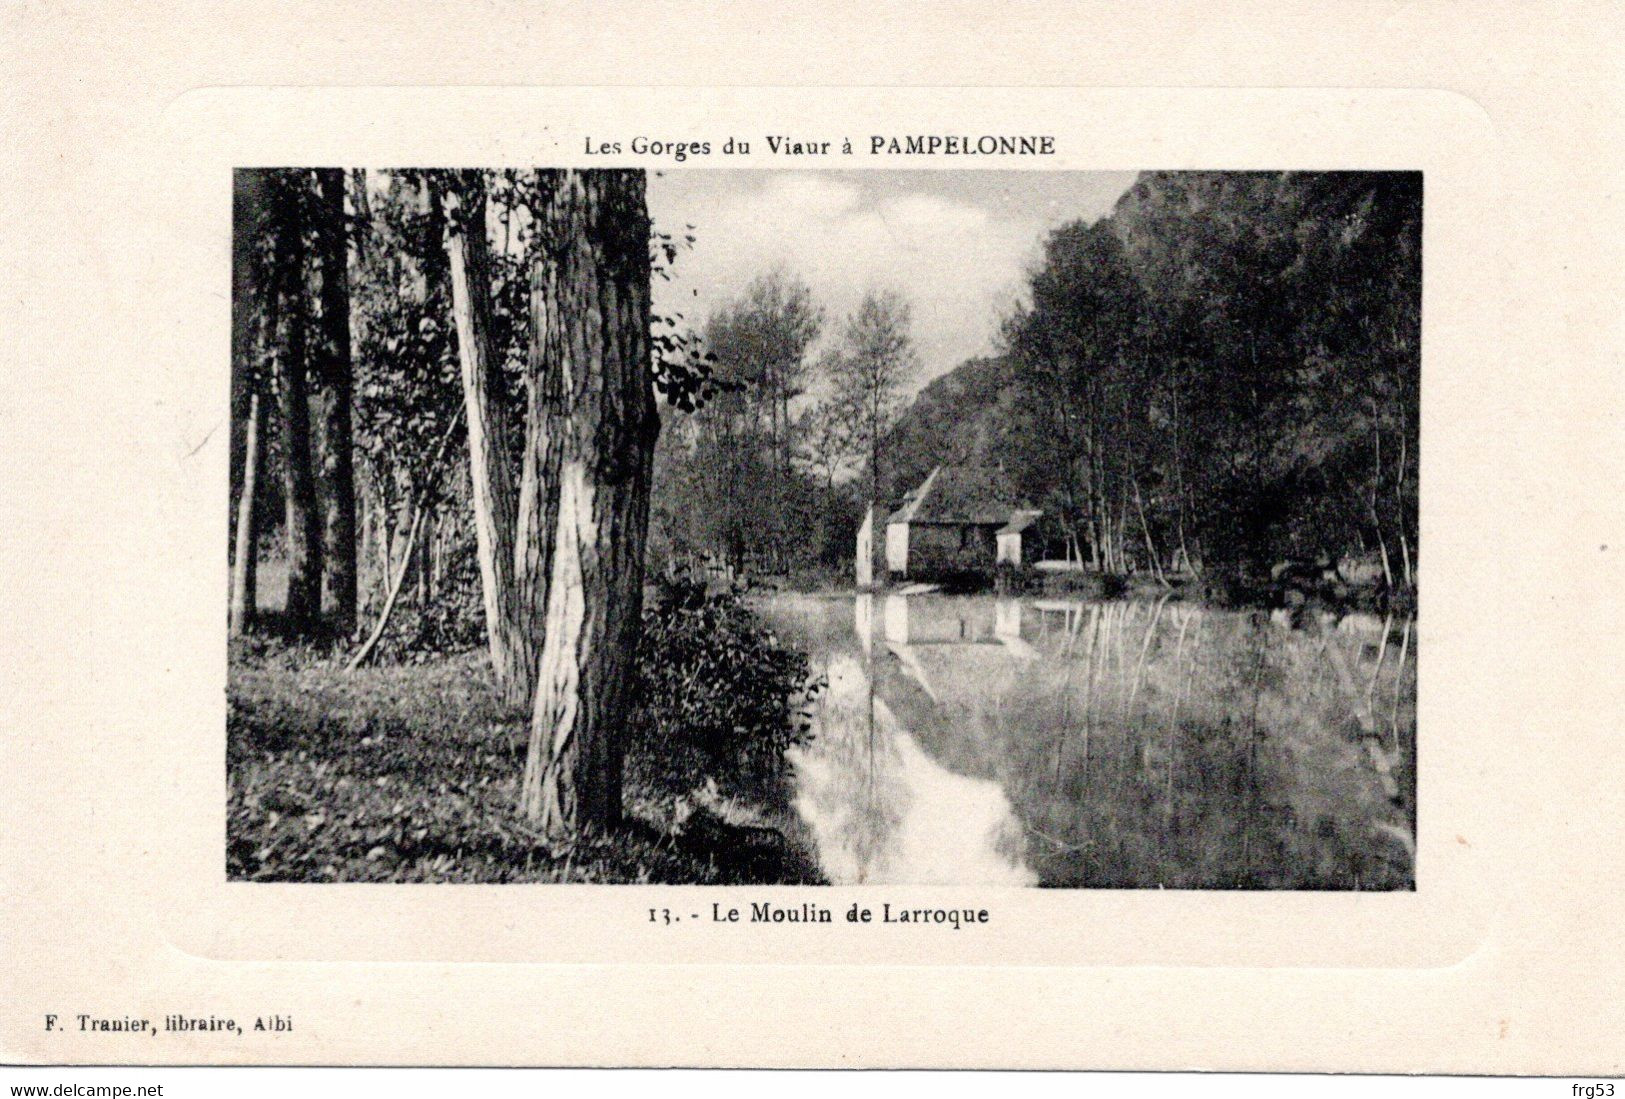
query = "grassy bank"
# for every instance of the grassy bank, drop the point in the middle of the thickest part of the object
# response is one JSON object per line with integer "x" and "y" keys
{"x": 409, "y": 772}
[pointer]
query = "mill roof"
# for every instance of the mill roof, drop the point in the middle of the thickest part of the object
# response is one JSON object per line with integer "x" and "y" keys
{"x": 961, "y": 494}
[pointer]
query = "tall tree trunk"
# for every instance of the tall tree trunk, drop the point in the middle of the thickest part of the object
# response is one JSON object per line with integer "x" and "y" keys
{"x": 338, "y": 457}
{"x": 250, "y": 314}
{"x": 385, "y": 522}
{"x": 421, "y": 550}
{"x": 1120, "y": 538}
{"x": 1399, "y": 494}
{"x": 786, "y": 480}
{"x": 303, "y": 525}
{"x": 490, "y": 477}
{"x": 1145, "y": 530}
{"x": 596, "y": 333}
{"x": 1376, "y": 518}
{"x": 1179, "y": 481}
{"x": 363, "y": 208}
{"x": 244, "y": 568}
{"x": 538, "y": 511}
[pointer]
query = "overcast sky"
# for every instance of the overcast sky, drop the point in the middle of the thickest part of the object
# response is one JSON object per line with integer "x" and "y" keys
{"x": 955, "y": 243}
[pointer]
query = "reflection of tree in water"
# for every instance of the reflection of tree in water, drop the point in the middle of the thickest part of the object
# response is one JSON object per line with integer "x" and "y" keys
{"x": 878, "y": 806}
{"x": 849, "y": 777}
{"x": 1162, "y": 744}
{"x": 1234, "y": 766}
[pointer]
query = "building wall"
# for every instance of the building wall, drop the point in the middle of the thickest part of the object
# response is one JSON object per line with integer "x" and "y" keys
{"x": 937, "y": 549}
{"x": 897, "y": 549}
{"x": 1010, "y": 548}
{"x": 930, "y": 544}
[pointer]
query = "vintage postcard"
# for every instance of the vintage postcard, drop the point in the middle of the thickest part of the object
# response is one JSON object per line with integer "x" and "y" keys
{"x": 1043, "y": 561}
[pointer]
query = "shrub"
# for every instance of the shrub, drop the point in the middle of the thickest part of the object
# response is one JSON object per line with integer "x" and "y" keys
{"x": 716, "y": 693}
{"x": 451, "y": 622}
{"x": 1081, "y": 583}
{"x": 454, "y": 620}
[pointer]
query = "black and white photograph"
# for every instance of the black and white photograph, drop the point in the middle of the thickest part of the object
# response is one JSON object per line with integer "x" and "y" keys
{"x": 692, "y": 526}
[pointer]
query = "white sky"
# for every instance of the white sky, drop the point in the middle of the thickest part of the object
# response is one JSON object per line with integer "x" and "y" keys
{"x": 957, "y": 244}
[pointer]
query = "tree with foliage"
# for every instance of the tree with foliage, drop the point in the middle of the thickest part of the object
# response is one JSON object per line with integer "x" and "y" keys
{"x": 725, "y": 478}
{"x": 1076, "y": 341}
{"x": 1358, "y": 276}
{"x": 824, "y": 440}
{"x": 869, "y": 372}
{"x": 758, "y": 344}
{"x": 731, "y": 483}
{"x": 1224, "y": 373}
{"x": 762, "y": 339}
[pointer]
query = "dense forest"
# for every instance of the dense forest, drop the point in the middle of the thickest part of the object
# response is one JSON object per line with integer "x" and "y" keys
{"x": 449, "y": 398}
{"x": 446, "y": 394}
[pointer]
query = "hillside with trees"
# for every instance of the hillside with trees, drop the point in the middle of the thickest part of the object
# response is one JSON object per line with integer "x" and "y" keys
{"x": 1219, "y": 377}
{"x": 958, "y": 419}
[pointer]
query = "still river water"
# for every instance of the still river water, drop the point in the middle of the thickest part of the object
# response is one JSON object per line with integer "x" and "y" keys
{"x": 1104, "y": 744}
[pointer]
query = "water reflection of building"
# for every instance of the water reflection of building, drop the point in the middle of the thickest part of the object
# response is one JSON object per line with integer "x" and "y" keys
{"x": 945, "y": 620}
